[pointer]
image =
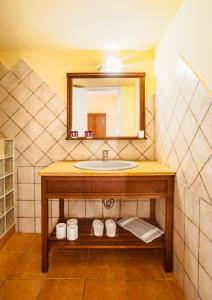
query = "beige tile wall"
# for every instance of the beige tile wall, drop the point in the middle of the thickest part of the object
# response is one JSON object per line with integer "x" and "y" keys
{"x": 33, "y": 113}
{"x": 184, "y": 142}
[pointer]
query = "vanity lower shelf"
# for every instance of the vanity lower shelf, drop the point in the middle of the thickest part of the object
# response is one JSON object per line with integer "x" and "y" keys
{"x": 123, "y": 240}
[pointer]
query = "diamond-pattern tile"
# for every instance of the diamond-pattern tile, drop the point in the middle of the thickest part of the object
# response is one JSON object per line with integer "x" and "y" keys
{"x": 21, "y": 69}
{"x": 3, "y": 118}
{"x": 22, "y": 142}
{"x": 10, "y": 129}
{"x": 3, "y": 93}
{"x": 33, "y": 154}
{"x": 21, "y": 117}
{"x": 21, "y": 93}
{"x": 56, "y": 105}
{"x": 45, "y": 92}
{"x": 180, "y": 109}
{"x": 33, "y": 105}
{"x": 189, "y": 127}
{"x": 180, "y": 146}
{"x": 68, "y": 145}
{"x": 130, "y": 153}
{"x": 33, "y": 81}
{"x": 56, "y": 153}
{"x": 117, "y": 145}
{"x": 9, "y": 106}
{"x": 189, "y": 85}
{"x": 3, "y": 70}
{"x": 33, "y": 129}
{"x": 81, "y": 153}
{"x": 56, "y": 129}
{"x": 9, "y": 81}
{"x": 92, "y": 145}
{"x": 45, "y": 141}
{"x": 207, "y": 125}
{"x": 111, "y": 155}
{"x": 206, "y": 175}
{"x": 45, "y": 117}
{"x": 189, "y": 168}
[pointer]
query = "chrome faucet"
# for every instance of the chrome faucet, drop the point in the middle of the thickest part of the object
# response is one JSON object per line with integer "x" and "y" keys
{"x": 105, "y": 155}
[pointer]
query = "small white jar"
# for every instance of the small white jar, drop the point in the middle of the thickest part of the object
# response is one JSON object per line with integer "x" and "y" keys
{"x": 110, "y": 228}
{"x": 72, "y": 222}
{"x": 98, "y": 227}
{"x": 61, "y": 230}
{"x": 72, "y": 232}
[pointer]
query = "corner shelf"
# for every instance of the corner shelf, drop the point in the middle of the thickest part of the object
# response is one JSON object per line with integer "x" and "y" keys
{"x": 6, "y": 186}
{"x": 123, "y": 240}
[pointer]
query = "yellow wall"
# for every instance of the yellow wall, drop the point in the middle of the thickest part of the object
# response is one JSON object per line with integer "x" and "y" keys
{"x": 188, "y": 35}
{"x": 52, "y": 66}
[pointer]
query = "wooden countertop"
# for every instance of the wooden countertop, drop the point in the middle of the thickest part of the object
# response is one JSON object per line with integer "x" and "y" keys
{"x": 144, "y": 168}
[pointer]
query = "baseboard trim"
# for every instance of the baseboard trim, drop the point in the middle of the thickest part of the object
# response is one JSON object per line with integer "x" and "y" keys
{"x": 7, "y": 236}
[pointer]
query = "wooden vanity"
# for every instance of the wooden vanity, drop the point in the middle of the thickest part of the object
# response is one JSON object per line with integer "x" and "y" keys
{"x": 150, "y": 180}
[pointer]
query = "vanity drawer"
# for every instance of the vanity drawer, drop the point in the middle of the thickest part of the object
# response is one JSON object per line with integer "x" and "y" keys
{"x": 105, "y": 186}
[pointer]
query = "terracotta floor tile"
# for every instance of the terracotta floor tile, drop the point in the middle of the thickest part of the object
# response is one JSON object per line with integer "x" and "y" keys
{"x": 29, "y": 266}
{"x": 168, "y": 275}
{"x": 35, "y": 244}
{"x": 69, "y": 265}
{"x": 106, "y": 265}
{"x": 149, "y": 290}
{"x": 20, "y": 289}
{"x": 62, "y": 289}
{"x": 176, "y": 289}
{"x": 8, "y": 261}
{"x": 143, "y": 265}
{"x": 105, "y": 290}
{"x": 18, "y": 242}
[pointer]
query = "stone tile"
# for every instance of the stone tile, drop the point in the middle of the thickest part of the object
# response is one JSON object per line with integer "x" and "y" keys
{"x": 56, "y": 153}
{"x": 3, "y": 118}
{"x": 200, "y": 150}
{"x": 149, "y": 289}
{"x": 189, "y": 168}
{"x": 192, "y": 237}
{"x": 117, "y": 145}
{"x": 33, "y": 154}
{"x": 9, "y": 106}
{"x": 205, "y": 284}
{"x": 26, "y": 175}
{"x": 200, "y": 103}
{"x": 56, "y": 105}
{"x": 68, "y": 144}
{"x": 178, "y": 271}
{"x": 45, "y": 92}
{"x": 206, "y": 175}
{"x": 189, "y": 127}
{"x": 128, "y": 208}
{"x": 21, "y": 117}
{"x": 189, "y": 289}
{"x": 81, "y": 153}
{"x": 149, "y": 154}
{"x": 144, "y": 209}
{"x": 93, "y": 209}
{"x": 26, "y": 209}
{"x": 22, "y": 142}
{"x": 111, "y": 155}
{"x": 179, "y": 247}
{"x": 10, "y": 129}
{"x": 129, "y": 153}
{"x": 21, "y": 289}
{"x": 25, "y": 191}
{"x": 179, "y": 223}
{"x": 205, "y": 254}
{"x": 33, "y": 129}
{"x": 33, "y": 81}
{"x": 92, "y": 145}
{"x": 56, "y": 129}
{"x": 108, "y": 289}
{"x": 9, "y": 82}
{"x": 180, "y": 109}
{"x": 33, "y": 105}
{"x": 38, "y": 209}
{"x": 179, "y": 196}
{"x": 106, "y": 265}
{"x": 142, "y": 145}
{"x": 192, "y": 207}
{"x": 45, "y": 141}
{"x": 21, "y": 69}
{"x": 45, "y": 117}
{"x": 3, "y": 70}
{"x": 199, "y": 189}
{"x": 76, "y": 209}
{"x": 69, "y": 265}
{"x": 207, "y": 125}
{"x": 26, "y": 225}
{"x": 62, "y": 289}
{"x": 112, "y": 212}
{"x": 189, "y": 85}
{"x": 191, "y": 266}
{"x": 3, "y": 94}
{"x": 21, "y": 93}
{"x": 206, "y": 218}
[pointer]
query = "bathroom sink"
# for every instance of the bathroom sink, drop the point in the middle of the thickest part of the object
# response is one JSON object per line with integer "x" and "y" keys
{"x": 109, "y": 165}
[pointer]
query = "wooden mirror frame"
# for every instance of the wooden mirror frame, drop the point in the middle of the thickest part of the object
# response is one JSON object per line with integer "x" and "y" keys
{"x": 140, "y": 76}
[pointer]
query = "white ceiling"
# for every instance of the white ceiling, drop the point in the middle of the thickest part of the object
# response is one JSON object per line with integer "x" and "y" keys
{"x": 83, "y": 24}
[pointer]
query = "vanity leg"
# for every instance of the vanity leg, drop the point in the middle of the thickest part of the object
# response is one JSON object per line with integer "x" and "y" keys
{"x": 168, "y": 254}
{"x": 152, "y": 208}
{"x": 61, "y": 210}
{"x": 44, "y": 228}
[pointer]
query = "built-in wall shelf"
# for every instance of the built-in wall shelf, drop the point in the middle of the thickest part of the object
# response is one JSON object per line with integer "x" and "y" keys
{"x": 6, "y": 186}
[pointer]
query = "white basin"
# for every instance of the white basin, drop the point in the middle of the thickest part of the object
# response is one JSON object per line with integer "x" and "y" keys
{"x": 108, "y": 165}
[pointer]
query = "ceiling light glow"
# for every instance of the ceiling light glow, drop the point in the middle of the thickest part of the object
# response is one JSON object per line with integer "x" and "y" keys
{"x": 112, "y": 64}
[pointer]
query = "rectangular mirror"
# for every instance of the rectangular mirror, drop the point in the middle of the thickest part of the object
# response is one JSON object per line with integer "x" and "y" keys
{"x": 110, "y": 105}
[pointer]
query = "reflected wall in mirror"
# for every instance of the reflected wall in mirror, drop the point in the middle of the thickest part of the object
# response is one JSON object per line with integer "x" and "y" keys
{"x": 108, "y": 104}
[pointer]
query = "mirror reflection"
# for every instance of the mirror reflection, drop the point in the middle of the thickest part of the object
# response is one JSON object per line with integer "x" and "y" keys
{"x": 109, "y": 107}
